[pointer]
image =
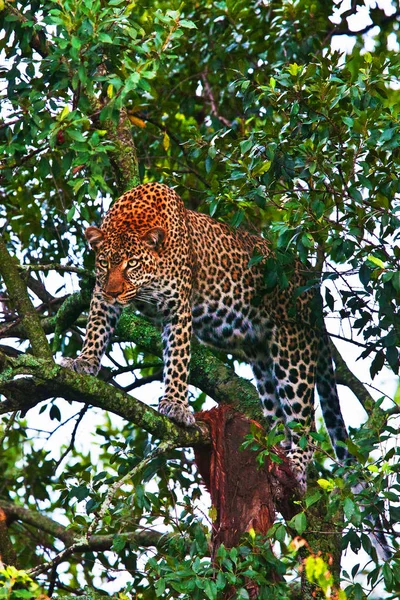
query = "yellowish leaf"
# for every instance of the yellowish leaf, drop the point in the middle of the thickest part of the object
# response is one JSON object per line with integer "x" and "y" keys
{"x": 166, "y": 141}
{"x": 213, "y": 514}
{"x": 325, "y": 484}
{"x": 136, "y": 121}
{"x": 65, "y": 111}
{"x": 377, "y": 261}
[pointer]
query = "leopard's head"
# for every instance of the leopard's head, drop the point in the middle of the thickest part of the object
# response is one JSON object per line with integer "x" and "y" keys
{"x": 126, "y": 262}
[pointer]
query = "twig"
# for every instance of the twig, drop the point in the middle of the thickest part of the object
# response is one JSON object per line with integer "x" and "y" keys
{"x": 8, "y": 427}
{"x": 177, "y": 141}
{"x": 77, "y": 545}
{"x": 72, "y": 442}
{"x": 161, "y": 449}
{"x": 144, "y": 381}
{"x": 60, "y": 268}
{"x": 25, "y": 158}
{"x": 52, "y": 579}
{"x": 213, "y": 104}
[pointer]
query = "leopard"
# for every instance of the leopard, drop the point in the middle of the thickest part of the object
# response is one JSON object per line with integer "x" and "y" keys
{"x": 198, "y": 275}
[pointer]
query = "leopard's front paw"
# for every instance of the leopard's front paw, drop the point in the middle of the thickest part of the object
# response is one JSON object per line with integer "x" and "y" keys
{"x": 179, "y": 413}
{"x": 80, "y": 365}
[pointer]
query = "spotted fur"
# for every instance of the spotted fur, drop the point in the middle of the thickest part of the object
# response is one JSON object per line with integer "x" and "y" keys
{"x": 196, "y": 271}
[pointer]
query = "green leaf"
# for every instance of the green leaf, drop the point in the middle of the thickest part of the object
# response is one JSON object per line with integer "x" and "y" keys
{"x": 325, "y": 484}
{"x": 396, "y": 281}
{"x": 65, "y": 111}
{"x": 313, "y": 499}
{"x": 210, "y": 589}
{"x": 396, "y": 397}
{"x": 105, "y": 38}
{"x": 187, "y": 24}
{"x": 299, "y": 522}
{"x": 349, "y": 508}
{"x": 387, "y": 576}
{"x": 119, "y": 543}
{"x": 348, "y": 121}
{"x": 376, "y": 261}
{"x": 246, "y": 145}
{"x": 75, "y": 135}
{"x": 55, "y": 414}
{"x": 71, "y": 212}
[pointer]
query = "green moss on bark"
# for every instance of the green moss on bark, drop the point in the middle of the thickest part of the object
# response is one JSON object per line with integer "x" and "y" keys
{"x": 207, "y": 372}
{"x": 18, "y": 294}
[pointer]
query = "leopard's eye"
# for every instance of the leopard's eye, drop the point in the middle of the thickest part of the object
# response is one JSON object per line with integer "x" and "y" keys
{"x": 102, "y": 263}
{"x": 133, "y": 263}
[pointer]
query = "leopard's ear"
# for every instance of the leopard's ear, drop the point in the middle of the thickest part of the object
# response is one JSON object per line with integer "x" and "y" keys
{"x": 154, "y": 238}
{"x": 95, "y": 237}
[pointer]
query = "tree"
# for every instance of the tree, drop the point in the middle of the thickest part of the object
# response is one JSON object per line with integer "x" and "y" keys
{"x": 246, "y": 110}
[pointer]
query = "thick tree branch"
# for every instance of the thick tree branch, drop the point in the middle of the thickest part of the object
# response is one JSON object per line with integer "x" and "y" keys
{"x": 96, "y": 543}
{"x": 7, "y": 554}
{"x": 18, "y": 294}
{"x": 207, "y": 372}
{"x": 123, "y": 158}
{"x": 47, "y": 381}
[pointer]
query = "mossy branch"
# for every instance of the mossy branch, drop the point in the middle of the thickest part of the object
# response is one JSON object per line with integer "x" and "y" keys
{"x": 207, "y": 372}
{"x": 44, "y": 381}
{"x": 18, "y": 293}
{"x": 34, "y": 518}
{"x": 123, "y": 158}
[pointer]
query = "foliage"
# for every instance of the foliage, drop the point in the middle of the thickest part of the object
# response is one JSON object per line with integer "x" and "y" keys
{"x": 246, "y": 109}
{"x": 16, "y": 584}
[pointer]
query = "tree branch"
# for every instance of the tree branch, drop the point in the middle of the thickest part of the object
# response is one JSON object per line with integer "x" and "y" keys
{"x": 123, "y": 159}
{"x": 18, "y": 294}
{"x": 345, "y": 377}
{"x": 59, "y": 269}
{"x": 96, "y": 543}
{"x": 45, "y": 381}
{"x": 343, "y": 29}
{"x": 207, "y": 372}
{"x": 7, "y": 554}
{"x": 213, "y": 104}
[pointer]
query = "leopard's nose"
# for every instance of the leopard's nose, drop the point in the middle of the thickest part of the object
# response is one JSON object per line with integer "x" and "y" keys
{"x": 113, "y": 293}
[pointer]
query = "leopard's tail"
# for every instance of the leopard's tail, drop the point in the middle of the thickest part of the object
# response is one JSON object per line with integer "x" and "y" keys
{"x": 330, "y": 406}
{"x": 329, "y": 399}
